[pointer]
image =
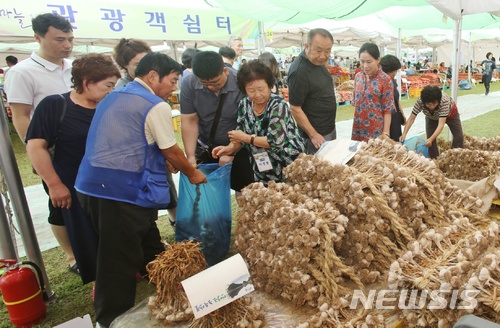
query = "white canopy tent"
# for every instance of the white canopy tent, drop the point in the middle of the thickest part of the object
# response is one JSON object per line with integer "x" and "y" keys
{"x": 402, "y": 15}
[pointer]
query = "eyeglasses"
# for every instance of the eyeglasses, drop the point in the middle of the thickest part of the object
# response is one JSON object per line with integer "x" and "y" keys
{"x": 213, "y": 83}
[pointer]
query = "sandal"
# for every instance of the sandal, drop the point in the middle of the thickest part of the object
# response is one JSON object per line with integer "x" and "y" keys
{"x": 172, "y": 222}
{"x": 74, "y": 269}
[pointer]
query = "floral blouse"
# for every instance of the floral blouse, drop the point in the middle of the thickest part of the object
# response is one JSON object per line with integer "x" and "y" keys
{"x": 373, "y": 97}
{"x": 280, "y": 129}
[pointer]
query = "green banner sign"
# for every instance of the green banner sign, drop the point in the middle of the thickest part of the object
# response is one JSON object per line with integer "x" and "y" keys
{"x": 110, "y": 20}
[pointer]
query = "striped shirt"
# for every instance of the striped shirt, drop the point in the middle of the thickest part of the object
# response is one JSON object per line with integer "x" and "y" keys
{"x": 443, "y": 109}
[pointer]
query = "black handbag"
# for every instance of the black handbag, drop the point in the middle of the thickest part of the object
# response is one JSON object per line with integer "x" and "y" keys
{"x": 203, "y": 151}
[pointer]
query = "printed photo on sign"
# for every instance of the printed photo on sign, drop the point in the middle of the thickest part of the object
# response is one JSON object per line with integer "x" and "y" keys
{"x": 218, "y": 285}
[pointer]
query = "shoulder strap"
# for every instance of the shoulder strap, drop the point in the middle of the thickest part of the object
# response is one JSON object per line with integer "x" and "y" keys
{"x": 61, "y": 119}
{"x": 218, "y": 114}
{"x": 64, "y": 110}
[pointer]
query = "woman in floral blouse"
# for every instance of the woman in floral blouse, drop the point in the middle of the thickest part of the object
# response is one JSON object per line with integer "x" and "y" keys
{"x": 373, "y": 97}
{"x": 265, "y": 125}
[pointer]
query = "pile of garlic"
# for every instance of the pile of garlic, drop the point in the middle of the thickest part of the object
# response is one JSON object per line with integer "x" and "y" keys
{"x": 477, "y": 143}
{"x": 482, "y": 143}
{"x": 469, "y": 164}
{"x": 454, "y": 263}
{"x": 331, "y": 229}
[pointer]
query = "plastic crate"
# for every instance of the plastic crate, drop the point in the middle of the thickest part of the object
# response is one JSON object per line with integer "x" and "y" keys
{"x": 415, "y": 92}
{"x": 176, "y": 119}
{"x": 177, "y": 123}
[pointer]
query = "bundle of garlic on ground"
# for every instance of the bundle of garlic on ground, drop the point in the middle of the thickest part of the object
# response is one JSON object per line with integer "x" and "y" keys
{"x": 241, "y": 313}
{"x": 178, "y": 262}
{"x": 331, "y": 229}
{"x": 170, "y": 305}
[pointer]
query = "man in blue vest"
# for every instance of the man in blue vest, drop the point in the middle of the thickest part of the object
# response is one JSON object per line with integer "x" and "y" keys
{"x": 122, "y": 180}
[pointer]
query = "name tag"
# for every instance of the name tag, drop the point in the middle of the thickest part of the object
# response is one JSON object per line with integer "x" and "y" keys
{"x": 262, "y": 159}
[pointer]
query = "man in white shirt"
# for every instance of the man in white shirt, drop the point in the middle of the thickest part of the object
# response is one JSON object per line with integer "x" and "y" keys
{"x": 46, "y": 72}
{"x": 236, "y": 43}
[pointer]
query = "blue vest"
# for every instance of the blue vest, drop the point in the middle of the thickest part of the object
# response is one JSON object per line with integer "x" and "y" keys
{"x": 118, "y": 163}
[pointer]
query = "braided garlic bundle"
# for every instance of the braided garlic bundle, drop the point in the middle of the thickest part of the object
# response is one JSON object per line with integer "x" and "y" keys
{"x": 367, "y": 245}
{"x": 287, "y": 238}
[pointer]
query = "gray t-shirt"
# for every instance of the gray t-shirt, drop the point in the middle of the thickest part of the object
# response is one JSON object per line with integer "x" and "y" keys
{"x": 311, "y": 87}
{"x": 195, "y": 98}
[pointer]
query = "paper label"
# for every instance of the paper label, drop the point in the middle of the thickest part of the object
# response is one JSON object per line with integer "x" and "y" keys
{"x": 338, "y": 151}
{"x": 218, "y": 285}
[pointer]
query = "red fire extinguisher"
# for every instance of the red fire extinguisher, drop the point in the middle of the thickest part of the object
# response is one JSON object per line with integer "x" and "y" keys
{"x": 22, "y": 293}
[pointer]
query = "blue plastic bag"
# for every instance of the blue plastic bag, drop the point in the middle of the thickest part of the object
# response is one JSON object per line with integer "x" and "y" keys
{"x": 204, "y": 211}
{"x": 464, "y": 85}
{"x": 417, "y": 144}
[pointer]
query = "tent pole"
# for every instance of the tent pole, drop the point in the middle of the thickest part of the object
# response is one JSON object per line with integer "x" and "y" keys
{"x": 174, "y": 49}
{"x": 470, "y": 57}
{"x": 398, "y": 54}
{"x": 398, "y": 45}
{"x": 262, "y": 35}
{"x": 457, "y": 31}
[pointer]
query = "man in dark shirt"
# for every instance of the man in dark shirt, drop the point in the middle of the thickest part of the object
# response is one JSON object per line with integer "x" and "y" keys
{"x": 228, "y": 55}
{"x": 312, "y": 96}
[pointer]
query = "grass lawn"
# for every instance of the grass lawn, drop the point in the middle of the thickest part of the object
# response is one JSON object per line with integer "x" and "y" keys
{"x": 74, "y": 299}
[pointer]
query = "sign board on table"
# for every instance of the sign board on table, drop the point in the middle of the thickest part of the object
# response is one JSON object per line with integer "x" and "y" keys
{"x": 218, "y": 285}
{"x": 338, "y": 151}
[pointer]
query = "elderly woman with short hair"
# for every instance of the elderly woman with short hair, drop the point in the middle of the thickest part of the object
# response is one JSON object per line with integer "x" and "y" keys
{"x": 265, "y": 125}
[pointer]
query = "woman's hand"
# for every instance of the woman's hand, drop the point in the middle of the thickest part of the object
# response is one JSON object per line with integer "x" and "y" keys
{"x": 238, "y": 136}
{"x": 221, "y": 151}
{"x": 428, "y": 142}
{"x": 403, "y": 137}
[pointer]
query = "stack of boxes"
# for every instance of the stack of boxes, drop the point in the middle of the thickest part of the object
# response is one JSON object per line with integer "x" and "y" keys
{"x": 176, "y": 113}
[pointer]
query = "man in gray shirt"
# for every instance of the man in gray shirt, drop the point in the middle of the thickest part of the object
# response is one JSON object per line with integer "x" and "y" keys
{"x": 212, "y": 84}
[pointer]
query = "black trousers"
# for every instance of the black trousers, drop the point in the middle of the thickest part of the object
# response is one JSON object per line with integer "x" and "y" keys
{"x": 486, "y": 79}
{"x": 455, "y": 126}
{"x": 128, "y": 240}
